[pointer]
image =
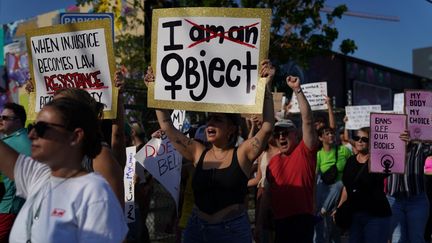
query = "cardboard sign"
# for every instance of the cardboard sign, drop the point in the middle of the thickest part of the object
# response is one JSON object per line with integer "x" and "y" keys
{"x": 129, "y": 184}
{"x": 315, "y": 94}
{"x": 208, "y": 59}
{"x": 76, "y": 55}
{"x": 163, "y": 162}
{"x": 387, "y": 150}
{"x": 359, "y": 116}
{"x": 418, "y": 107}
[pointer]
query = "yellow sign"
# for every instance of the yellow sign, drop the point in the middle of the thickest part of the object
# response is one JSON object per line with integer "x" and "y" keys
{"x": 207, "y": 59}
{"x": 78, "y": 55}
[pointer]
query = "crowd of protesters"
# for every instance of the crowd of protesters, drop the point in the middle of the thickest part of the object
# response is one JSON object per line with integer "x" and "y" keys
{"x": 62, "y": 177}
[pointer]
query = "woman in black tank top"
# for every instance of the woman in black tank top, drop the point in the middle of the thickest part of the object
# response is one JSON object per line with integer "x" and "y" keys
{"x": 222, "y": 170}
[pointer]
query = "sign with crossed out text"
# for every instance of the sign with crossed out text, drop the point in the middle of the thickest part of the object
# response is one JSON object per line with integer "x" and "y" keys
{"x": 208, "y": 59}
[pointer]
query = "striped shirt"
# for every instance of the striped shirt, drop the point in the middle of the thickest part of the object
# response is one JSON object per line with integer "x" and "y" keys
{"x": 412, "y": 182}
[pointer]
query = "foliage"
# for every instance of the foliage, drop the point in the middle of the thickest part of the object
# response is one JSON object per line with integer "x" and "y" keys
{"x": 300, "y": 30}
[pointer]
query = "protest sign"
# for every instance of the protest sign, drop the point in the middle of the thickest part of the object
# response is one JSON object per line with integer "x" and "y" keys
{"x": 418, "y": 107}
{"x": 387, "y": 150}
{"x": 163, "y": 162}
{"x": 208, "y": 59}
{"x": 178, "y": 117}
{"x": 315, "y": 93}
{"x": 78, "y": 55}
{"x": 129, "y": 184}
{"x": 359, "y": 116}
{"x": 398, "y": 103}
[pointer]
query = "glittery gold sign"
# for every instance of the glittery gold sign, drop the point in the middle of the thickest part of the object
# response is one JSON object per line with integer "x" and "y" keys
{"x": 76, "y": 55}
{"x": 207, "y": 59}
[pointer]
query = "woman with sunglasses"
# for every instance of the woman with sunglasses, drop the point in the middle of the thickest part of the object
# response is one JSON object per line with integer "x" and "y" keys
{"x": 221, "y": 170}
{"x": 109, "y": 161}
{"x": 364, "y": 192}
{"x": 106, "y": 163}
{"x": 64, "y": 203}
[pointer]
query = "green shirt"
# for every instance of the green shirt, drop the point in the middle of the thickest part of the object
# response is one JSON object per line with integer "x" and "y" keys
{"x": 325, "y": 159}
{"x": 19, "y": 141}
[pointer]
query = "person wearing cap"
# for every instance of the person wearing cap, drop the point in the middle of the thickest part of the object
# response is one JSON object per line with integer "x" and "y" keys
{"x": 12, "y": 122}
{"x": 291, "y": 175}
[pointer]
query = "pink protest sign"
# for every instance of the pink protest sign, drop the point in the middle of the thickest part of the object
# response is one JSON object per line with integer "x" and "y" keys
{"x": 387, "y": 150}
{"x": 418, "y": 107}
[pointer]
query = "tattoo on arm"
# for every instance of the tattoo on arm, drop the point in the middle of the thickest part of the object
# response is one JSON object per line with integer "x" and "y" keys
{"x": 184, "y": 144}
{"x": 256, "y": 144}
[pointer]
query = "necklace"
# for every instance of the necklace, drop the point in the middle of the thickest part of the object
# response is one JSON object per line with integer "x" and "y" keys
{"x": 222, "y": 158}
{"x": 35, "y": 216}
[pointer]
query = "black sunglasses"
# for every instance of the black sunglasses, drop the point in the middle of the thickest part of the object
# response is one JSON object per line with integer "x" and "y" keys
{"x": 41, "y": 127}
{"x": 6, "y": 118}
{"x": 363, "y": 139}
{"x": 283, "y": 133}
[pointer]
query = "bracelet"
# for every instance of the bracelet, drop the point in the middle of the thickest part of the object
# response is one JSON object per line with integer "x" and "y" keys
{"x": 299, "y": 91}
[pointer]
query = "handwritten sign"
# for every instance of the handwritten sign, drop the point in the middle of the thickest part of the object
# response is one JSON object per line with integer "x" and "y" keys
{"x": 178, "y": 117}
{"x": 418, "y": 107}
{"x": 129, "y": 185}
{"x": 315, "y": 94}
{"x": 163, "y": 162}
{"x": 207, "y": 59}
{"x": 359, "y": 116}
{"x": 387, "y": 150}
{"x": 76, "y": 55}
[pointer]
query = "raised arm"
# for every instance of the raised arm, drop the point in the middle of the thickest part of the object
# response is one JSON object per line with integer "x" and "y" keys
{"x": 187, "y": 147}
{"x": 254, "y": 146}
{"x": 331, "y": 116}
{"x": 8, "y": 160}
{"x": 309, "y": 134}
{"x": 118, "y": 137}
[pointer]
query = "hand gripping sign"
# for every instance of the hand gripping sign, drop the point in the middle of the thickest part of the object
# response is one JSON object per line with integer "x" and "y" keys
{"x": 76, "y": 55}
{"x": 207, "y": 59}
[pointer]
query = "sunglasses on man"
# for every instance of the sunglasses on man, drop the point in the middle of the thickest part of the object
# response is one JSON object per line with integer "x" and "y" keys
{"x": 41, "y": 127}
{"x": 363, "y": 139}
{"x": 7, "y": 118}
{"x": 283, "y": 133}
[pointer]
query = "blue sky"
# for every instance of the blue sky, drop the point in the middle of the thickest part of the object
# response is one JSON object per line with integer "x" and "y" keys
{"x": 382, "y": 42}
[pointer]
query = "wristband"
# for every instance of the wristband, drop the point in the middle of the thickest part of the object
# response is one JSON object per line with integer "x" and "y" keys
{"x": 299, "y": 91}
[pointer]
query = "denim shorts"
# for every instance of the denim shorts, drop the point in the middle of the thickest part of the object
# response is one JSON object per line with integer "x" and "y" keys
{"x": 236, "y": 230}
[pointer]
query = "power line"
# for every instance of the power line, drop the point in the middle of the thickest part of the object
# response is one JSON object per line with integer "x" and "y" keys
{"x": 327, "y": 9}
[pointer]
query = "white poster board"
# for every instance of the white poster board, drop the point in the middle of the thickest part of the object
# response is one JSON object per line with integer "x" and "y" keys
{"x": 76, "y": 55}
{"x": 207, "y": 59}
{"x": 359, "y": 116}
{"x": 315, "y": 93}
{"x": 163, "y": 162}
